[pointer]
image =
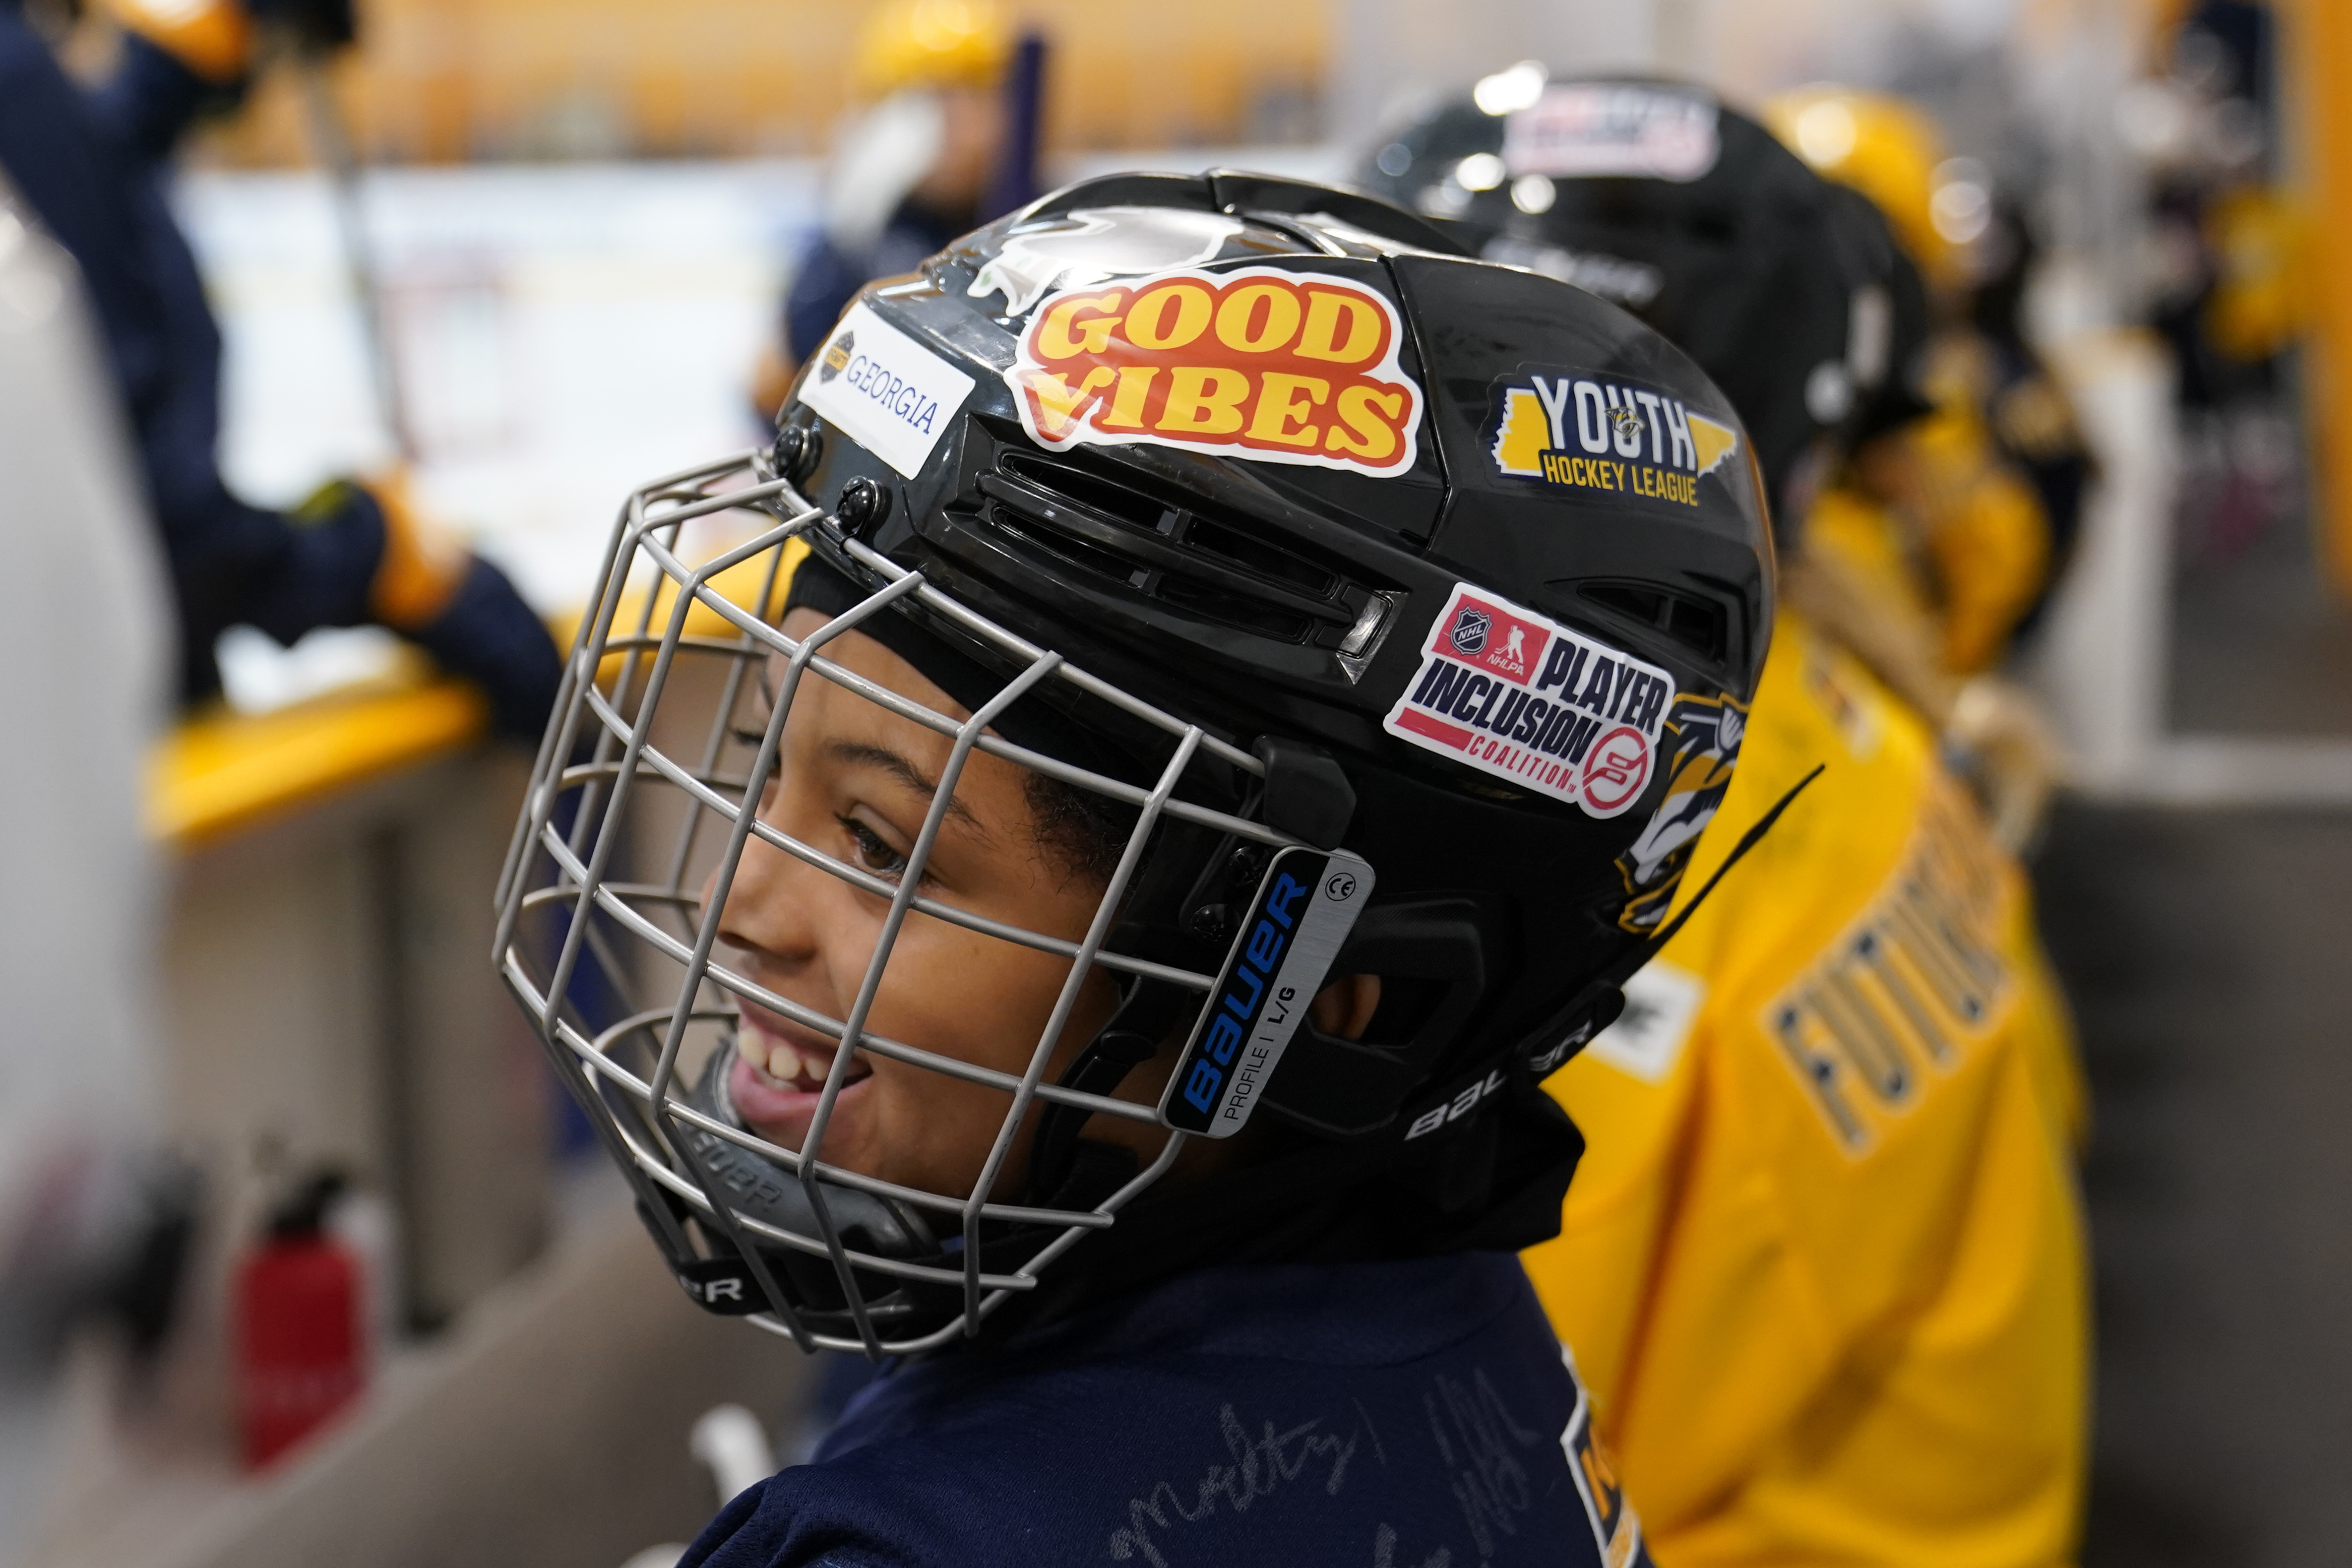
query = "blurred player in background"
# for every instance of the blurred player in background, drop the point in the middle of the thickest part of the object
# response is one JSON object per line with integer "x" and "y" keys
{"x": 2229, "y": 286}
{"x": 1824, "y": 1261}
{"x": 1964, "y": 516}
{"x": 79, "y": 1228}
{"x": 946, "y": 139}
{"x": 91, "y": 167}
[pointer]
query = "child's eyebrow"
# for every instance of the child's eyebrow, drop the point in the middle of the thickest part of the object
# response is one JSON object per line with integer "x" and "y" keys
{"x": 859, "y": 752}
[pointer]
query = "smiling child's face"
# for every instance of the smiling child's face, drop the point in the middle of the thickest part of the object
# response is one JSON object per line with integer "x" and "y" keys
{"x": 855, "y": 781}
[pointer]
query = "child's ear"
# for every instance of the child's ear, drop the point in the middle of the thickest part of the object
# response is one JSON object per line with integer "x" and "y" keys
{"x": 1345, "y": 1005}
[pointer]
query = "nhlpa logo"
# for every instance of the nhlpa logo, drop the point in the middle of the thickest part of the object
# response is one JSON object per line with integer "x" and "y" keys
{"x": 1470, "y": 629}
{"x": 1581, "y": 433}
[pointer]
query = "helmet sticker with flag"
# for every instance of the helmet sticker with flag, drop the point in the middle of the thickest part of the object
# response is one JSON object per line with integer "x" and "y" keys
{"x": 1583, "y": 433}
{"x": 1612, "y": 129}
{"x": 1526, "y": 699}
{"x": 884, "y": 389}
{"x": 1281, "y": 366}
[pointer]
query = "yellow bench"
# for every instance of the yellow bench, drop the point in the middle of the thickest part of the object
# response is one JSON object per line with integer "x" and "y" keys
{"x": 219, "y": 772}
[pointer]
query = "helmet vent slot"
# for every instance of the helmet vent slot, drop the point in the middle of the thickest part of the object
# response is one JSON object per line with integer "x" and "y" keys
{"x": 1171, "y": 551}
{"x": 1700, "y": 625}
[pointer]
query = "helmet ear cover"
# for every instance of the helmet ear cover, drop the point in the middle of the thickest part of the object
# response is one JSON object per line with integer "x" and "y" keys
{"x": 1305, "y": 795}
{"x": 1430, "y": 957}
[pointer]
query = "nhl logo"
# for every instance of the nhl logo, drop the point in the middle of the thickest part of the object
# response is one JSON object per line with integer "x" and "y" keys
{"x": 837, "y": 358}
{"x": 1470, "y": 629}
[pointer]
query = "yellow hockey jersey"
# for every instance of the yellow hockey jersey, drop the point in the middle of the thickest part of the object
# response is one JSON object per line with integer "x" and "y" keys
{"x": 1823, "y": 1266}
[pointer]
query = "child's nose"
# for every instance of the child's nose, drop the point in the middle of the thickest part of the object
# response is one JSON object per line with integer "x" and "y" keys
{"x": 769, "y": 903}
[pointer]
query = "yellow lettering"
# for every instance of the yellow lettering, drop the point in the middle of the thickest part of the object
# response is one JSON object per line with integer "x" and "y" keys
{"x": 1054, "y": 339}
{"x": 1204, "y": 400}
{"x": 1361, "y": 408}
{"x": 1281, "y": 318}
{"x": 1321, "y": 341}
{"x": 1127, "y": 403}
{"x": 1058, "y": 403}
{"x": 1278, "y": 404}
{"x": 1149, "y": 324}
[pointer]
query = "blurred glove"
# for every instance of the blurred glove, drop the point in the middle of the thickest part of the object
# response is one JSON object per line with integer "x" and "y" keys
{"x": 215, "y": 38}
{"x": 1996, "y": 738}
{"x": 423, "y": 583}
{"x": 212, "y": 39}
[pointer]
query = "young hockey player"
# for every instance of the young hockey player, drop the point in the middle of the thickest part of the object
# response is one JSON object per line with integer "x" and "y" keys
{"x": 1098, "y": 938}
{"x": 1825, "y": 1264}
{"x": 1969, "y": 511}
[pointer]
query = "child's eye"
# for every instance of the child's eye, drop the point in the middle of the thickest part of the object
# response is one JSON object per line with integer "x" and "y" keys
{"x": 874, "y": 851}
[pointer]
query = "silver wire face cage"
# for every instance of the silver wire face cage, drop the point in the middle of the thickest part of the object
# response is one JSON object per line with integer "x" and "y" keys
{"x": 647, "y": 785}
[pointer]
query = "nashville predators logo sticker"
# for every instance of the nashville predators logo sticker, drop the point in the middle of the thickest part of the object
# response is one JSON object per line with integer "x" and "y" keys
{"x": 1527, "y": 700}
{"x": 1581, "y": 433}
{"x": 1279, "y": 367}
{"x": 1702, "y": 748}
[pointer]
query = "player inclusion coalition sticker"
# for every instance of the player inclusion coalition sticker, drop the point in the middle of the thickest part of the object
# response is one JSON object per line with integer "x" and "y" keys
{"x": 1281, "y": 366}
{"x": 1519, "y": 697}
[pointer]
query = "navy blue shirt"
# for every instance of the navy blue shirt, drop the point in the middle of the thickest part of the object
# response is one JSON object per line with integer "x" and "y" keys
{"x": 1415, "y": 1414}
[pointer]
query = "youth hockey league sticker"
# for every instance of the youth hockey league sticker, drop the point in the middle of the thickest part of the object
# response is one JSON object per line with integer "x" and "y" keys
{"x": 1519, "y": 697}
{"x": 1574, "y": 433}
{"x": 889, "y": 393}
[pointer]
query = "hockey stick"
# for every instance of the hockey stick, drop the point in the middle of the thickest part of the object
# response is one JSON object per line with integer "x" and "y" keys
{"x": 332, "y": 141}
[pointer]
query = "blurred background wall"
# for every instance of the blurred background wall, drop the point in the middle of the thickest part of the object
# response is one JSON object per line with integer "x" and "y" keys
{"x": 446, "y": 81}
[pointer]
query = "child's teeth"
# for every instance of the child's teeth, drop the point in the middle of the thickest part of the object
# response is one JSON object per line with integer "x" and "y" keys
{"x": 784, "y": 1063}
{"x": 750, "y": 1049}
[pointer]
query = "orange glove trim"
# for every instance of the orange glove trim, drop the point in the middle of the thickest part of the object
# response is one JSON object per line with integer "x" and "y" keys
{"x": 423, "y": 563}
{"x": 213, "y": 38}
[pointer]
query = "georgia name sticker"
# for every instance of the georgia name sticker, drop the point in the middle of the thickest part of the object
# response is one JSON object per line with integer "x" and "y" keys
{"x": 1282, "y": 367}
{"x": 1526, "y": 699}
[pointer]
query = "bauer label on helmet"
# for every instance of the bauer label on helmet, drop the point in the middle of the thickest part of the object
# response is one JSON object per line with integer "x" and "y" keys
{"x": 891, "y": 394}
{"x": 1281, "y": 366}
{"x": 1292, "y": 929}
{"x": 1514, "y": 695}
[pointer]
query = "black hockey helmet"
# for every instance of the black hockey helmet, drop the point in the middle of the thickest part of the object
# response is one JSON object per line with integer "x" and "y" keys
{"x": 1366, "y": 584}
{"x": 1788, "y": 290}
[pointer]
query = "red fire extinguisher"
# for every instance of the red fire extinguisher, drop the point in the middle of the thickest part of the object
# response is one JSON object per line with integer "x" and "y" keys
{"x": 301, "y": 1341}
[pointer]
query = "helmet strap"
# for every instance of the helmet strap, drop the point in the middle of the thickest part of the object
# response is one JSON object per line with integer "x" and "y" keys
{"x": 1131, "y": 1037}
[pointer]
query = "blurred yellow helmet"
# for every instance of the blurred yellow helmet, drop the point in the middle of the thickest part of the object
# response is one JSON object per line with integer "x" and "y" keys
{"x": 1891, "y": 152}
{"x": 932, "y": 43}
